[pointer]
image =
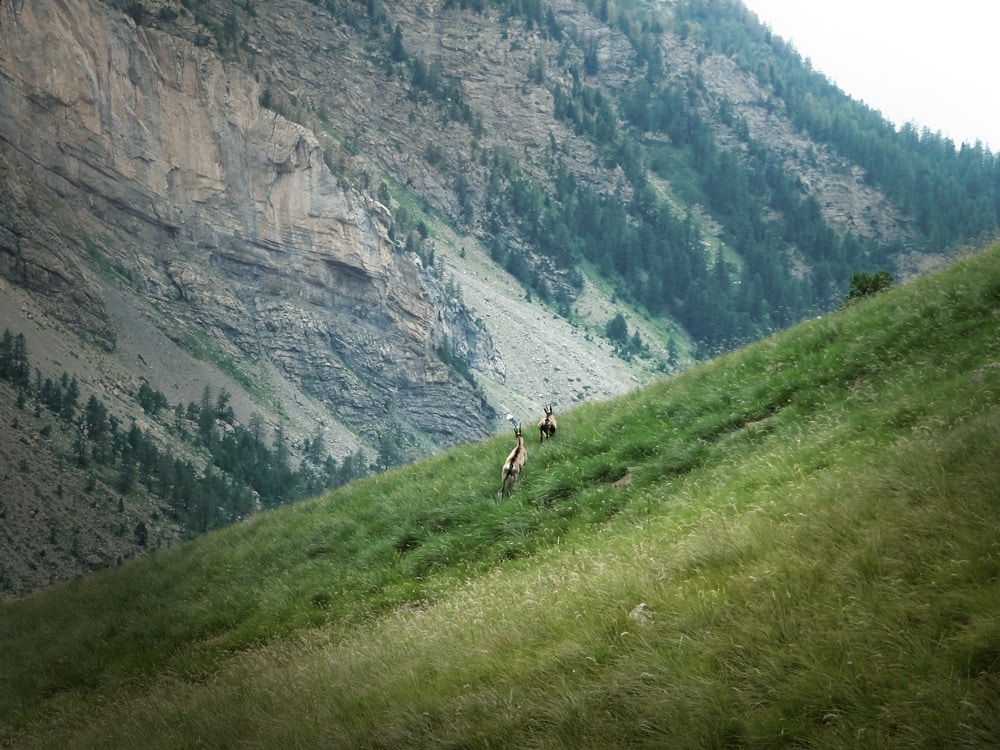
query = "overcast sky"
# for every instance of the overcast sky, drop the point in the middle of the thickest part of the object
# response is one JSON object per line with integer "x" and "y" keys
{"x": 933, "y": 64}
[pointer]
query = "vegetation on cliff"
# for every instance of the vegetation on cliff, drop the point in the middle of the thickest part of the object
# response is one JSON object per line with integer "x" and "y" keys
{"x": 679, "y": 161}
{"x": 248, "y": 470}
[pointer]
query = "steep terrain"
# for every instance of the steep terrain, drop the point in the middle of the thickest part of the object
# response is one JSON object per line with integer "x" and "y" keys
{"x": 362, "y": 222}
{"x": 218, "y": 212}
{"x": 160, "y": 227}
{"x": 793, "y": 544}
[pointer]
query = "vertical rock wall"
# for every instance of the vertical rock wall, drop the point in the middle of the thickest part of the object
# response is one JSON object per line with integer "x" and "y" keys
{"x": 136, "y": 150}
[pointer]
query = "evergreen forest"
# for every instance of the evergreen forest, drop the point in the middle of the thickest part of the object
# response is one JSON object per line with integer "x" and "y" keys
{"x": 664, "y": 125}
{"x": 212, "y": 472}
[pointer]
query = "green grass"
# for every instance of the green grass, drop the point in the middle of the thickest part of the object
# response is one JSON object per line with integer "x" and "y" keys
{"x": 812, "y": 524}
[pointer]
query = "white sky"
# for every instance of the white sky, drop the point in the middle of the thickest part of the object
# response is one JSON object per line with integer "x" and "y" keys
{"x": 930, "y": 63}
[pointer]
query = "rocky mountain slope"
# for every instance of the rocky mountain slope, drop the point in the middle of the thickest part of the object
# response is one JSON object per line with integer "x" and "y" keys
{"x": 160, "y": 227}
{"x": 290, "y": 202}
{"x": 217, "y": 211}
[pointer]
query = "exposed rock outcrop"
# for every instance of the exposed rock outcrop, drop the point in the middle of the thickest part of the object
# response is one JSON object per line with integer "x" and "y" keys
{"x": 154, "y": 162}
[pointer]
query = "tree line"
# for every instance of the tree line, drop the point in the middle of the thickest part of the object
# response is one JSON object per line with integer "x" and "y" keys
{"x": 953, "y": 191}
{"x": 662, "y": 126}
{"x": 657, "y": 258}
{"x": 243, "y": 471}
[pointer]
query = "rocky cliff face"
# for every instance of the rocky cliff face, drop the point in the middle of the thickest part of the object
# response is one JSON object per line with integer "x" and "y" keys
{"x": 131, "y": 155}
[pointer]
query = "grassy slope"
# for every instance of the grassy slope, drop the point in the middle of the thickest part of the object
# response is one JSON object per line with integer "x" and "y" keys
{"x": 812, "y": 525}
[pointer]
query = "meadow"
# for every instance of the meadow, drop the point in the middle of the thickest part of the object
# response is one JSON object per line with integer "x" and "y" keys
{"x": 796, "y": 544}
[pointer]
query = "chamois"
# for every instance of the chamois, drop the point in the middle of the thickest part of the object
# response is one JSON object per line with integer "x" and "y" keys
{"x": 547, "y": 427}
{"x": 513, "y": 465}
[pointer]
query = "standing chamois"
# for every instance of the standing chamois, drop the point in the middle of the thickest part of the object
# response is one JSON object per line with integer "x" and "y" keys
{"x": 512, "y": 467}
{"x": 547, "y": 427}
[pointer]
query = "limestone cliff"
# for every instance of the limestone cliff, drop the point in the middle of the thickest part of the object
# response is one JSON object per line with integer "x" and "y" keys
{"x": 135, "y": 158}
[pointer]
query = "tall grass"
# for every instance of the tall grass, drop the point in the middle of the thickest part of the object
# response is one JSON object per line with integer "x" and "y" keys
{"x": 795, "y": 544}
